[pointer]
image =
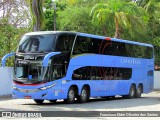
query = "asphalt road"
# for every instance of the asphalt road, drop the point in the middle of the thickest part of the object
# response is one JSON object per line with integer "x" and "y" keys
{"x": 148, "y": 102}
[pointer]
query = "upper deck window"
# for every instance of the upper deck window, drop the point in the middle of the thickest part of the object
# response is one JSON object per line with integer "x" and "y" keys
{"x": 37, "y": 43}
{"x": 85, "y": 45}
{"x": 65, "y": 42}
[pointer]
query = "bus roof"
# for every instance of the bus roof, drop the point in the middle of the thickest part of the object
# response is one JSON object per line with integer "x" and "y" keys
{"x": 48, "y": 32}
{"x": 115, "y": 39}
{"x": 88, "y": 35}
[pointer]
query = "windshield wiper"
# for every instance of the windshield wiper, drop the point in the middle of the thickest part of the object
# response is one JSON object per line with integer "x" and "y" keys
{"x": 22, "y": 51}
{"x": 19, "y": 81}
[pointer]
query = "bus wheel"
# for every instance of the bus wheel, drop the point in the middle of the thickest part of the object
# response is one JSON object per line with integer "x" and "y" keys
{"x": 38, "y": 101}
{"x": 132, "y": 92}
{"x": 83, "y": 98}
{"x": 71, "y": 95}
{"x": 139, "y": 91}
{"x": 52, "y": 101}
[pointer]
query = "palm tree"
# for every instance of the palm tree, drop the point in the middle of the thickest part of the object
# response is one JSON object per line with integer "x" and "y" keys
{"x": 123, "y": 15}
{"x": 142, "y": 3}
{"x": 37, "y": 14}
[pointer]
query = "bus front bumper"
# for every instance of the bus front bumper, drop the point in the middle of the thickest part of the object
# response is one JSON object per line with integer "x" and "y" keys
{"x": 43, "y": 94}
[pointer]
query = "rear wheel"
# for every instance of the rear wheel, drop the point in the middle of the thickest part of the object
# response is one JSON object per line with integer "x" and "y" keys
{"x": 84, "y": 96}
{"x": 132, "y": 92}
{"x": 38, "y": 101}
{"x": 71, "y": 95}
{"x": 139, "y": 91}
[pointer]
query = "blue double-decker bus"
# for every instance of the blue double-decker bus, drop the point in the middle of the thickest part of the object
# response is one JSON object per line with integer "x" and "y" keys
{"x": 52, "y": 65}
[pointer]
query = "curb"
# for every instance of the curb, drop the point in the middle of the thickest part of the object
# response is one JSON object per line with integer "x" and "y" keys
{"x": 6, "y": 96}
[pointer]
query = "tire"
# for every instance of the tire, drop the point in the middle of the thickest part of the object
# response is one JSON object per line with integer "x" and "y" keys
{"x": 125, "y": 96}
{"x": 139, "y": 91}
{"x": 132, "y": 92}
{"x": 38, "y": 101}
{"x": 84, "y": 96}
{"x": 71, "y": 95}
{"x": 52, "y": 101}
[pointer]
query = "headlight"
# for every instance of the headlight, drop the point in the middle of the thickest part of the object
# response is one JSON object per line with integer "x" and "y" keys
{"x": 14, "y": 87}
{"x": 47, "y": 87}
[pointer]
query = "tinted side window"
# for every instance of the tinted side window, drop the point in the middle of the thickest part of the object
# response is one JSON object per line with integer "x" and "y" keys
{"x": 102, "y": 73}
{"x": 59, "y": 66}
{"x": 95, "y": 46}
{"x": 122, "y": 49}
{"x": 149, "y": 53}
{"x": 65, "y": 42}
{"x": 140, "y": 51}
{"x": 99, "y": 46}
{"x": 86, "y": 45}
{"x": 130, "y": 50}
{"x": 81, "y": 73}
{"x": 107, "y": 48}
{"x": 82, "y": 45}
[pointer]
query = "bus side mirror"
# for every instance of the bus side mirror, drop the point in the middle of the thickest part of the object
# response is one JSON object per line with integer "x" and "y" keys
{"x": 47, "y": 57}
{"x": 5, "y": 57}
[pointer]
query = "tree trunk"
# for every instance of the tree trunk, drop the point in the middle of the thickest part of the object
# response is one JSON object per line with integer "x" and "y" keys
{"x": 104, "y": 31}
{"x": 36, "y": 9}
{"x": 117, "y": 32}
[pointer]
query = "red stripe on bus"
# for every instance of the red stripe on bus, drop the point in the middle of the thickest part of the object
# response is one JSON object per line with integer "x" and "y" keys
{"x": 29, "y": 84}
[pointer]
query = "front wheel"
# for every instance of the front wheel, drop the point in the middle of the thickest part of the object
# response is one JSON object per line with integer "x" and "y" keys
{"x": 70, "y": 96}
{"x": 84, "y": 96}
{"x": 38, "y": 101}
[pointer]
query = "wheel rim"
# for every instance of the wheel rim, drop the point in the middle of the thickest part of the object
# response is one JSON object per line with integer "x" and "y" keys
{"x": 84, "y": 94}
{"x": 132, "y": 91}
{"x": 71, "y": 95}
{"x": 139, "y": 90}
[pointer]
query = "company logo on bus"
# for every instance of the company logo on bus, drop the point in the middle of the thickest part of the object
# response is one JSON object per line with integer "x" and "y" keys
{"x": 130, "y": 61}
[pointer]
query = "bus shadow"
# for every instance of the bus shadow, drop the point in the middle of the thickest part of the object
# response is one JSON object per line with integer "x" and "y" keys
{"x": 97, "y": 104}
{"x": 60, "y": 102}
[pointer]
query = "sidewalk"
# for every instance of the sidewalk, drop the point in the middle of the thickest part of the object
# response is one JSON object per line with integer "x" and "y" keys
{"x": 5, "y": 97}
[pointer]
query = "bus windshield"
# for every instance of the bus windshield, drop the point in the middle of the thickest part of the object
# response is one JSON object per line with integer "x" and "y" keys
{"x": 32, "y": 72}
{"x": 26, "y": 72}
{"x": 37, "y": 43}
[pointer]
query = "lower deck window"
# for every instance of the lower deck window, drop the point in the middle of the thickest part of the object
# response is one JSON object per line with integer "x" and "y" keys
{"x": 102, "y": 73}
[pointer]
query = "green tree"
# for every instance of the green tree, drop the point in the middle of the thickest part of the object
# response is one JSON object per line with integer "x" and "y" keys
{"x": 121, "y": 15}
{"x": 14, "y": 19}
{"x": 74, "y": 16}
{"x": 37, "y": 14}
{"x": 77, "y": 20}
{"x": 49, "y": 13}
{"x": 153, "y": 8}
{"x": 9, "y": 39}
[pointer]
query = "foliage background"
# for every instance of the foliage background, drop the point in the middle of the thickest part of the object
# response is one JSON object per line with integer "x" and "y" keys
{"x": 139, "y": 23}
